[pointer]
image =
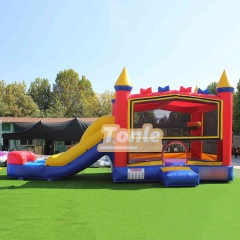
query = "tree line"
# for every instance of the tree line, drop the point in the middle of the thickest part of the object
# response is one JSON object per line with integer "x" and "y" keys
{"x": 70, "y": 96}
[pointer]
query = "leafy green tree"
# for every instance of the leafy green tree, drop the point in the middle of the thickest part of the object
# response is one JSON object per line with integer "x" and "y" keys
{"x": 86, "y": 88}
{"x": 87, "y": 100}
{"x": 176, "y": 124}
{"x": 70, "y": 91}
{"x": 105, "y": 100}
{"x": 55, "y": 111}
{"x": 163, "y": 119}
{"x": 4, "y": 111}
{"x": 100, "y": 105}
{"x": 18, "y": 102}
{"x": 212, "y": 87}
{"x": 40, "y": 92}
{"x": 66, "y": 90}
{"x": 141, "y": 118}
{"x": 236, "y": 110}
{"x": 91, "y": 108}
{"x": 175, "y": 117}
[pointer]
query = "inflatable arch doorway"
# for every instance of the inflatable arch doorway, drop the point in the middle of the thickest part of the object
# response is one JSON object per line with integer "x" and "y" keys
{"x": 175, "y": 161}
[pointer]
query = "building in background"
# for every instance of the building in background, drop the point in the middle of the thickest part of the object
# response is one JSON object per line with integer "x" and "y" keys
{"x": 42, "y": 135}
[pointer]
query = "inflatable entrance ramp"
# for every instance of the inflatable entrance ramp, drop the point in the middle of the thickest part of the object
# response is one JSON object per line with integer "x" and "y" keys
{"x": 178, "y": 176}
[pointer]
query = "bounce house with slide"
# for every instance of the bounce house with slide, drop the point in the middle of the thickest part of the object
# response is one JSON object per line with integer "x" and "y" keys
{"x": 178, "y": 137}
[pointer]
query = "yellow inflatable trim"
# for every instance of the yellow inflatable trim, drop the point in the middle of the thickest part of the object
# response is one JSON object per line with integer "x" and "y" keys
{"x": 97, "y": 125}
{"x": 167, "y": 169}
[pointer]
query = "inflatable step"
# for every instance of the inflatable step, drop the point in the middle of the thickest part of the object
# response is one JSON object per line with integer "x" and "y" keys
{"x": 178, "y": 176}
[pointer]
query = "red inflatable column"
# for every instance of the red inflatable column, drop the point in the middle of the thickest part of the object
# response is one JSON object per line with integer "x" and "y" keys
{"x": 123, "y": 89}
{"x": 225, "y": 91}
{"x": 196, "y": 146}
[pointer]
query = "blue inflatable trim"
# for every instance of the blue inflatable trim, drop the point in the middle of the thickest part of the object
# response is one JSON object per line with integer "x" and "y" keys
{"x": 179, "y": 178}
{"x": 206, "y": 91}
{"x": 163, "y": 89}
{"x": 123, "y": 88}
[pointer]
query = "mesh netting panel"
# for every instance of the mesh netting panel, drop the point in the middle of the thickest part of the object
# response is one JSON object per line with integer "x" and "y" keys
{"x": 209, "y": 147}
{"x": 173, "y": 124}
{"x": 210, "y": 123}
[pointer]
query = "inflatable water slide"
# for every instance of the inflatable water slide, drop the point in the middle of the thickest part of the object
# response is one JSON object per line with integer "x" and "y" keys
{"x": 22, "y": 164}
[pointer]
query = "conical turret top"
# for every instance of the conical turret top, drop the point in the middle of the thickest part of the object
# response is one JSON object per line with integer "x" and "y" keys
{"x": 196, "y": 89}
{"x": 123, "y": 82}
{"x": 223, "y": 84}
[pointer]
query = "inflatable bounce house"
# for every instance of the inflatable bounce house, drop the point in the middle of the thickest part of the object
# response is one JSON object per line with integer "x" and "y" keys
{"x": 190, "y": 133}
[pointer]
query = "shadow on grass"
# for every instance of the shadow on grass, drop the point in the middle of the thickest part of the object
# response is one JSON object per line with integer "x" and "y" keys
{"x": 79, "y": 181}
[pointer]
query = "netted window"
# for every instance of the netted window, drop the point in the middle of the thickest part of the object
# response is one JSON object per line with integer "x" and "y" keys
{"x": 176, "y": 117}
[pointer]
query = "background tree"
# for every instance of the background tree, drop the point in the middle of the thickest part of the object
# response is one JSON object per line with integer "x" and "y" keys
{"x": 4, "y": 111}
{"x": 163, "y": 119}
{"x": 212, "y": 87}
{"x": 105, "y": 100}
{"x": 141, "y": 118}
{"x": 86, "y": 87}
{"x": 55, "y": 111}
{"x": 100, "y": 105}
{"x": 181, "y": 118}
{"x": 66, "y": 91}
{"x": 18, "y": 102}
{"x": 91, "y": 108}
{"x": 236, "y": 109}
{"x": 70, "y": 91}
{"x": 88, "y": 100}
{"x": 40, "y": 92}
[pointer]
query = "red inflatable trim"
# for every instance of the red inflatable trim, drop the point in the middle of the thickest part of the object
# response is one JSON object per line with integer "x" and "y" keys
{"x": 183, "y": 89}
{"x": 31, "y": 157}
{"x": 146, "y": 91}
{"x": 20, "y": 157}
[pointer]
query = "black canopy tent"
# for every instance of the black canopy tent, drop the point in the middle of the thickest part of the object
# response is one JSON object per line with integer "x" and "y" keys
{"x": 71, "y": 130}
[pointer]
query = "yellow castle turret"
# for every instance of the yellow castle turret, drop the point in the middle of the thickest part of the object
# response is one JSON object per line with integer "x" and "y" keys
{"x": 225, "y": 91}
{"x": 224, "y": 83}
{"x": 123, "y": 88}
{"x": 196, "y": 89}
{"x": 123, "y": 80}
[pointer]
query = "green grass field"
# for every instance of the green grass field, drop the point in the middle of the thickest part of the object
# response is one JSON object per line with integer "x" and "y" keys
{"x": 90, "y": 206}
